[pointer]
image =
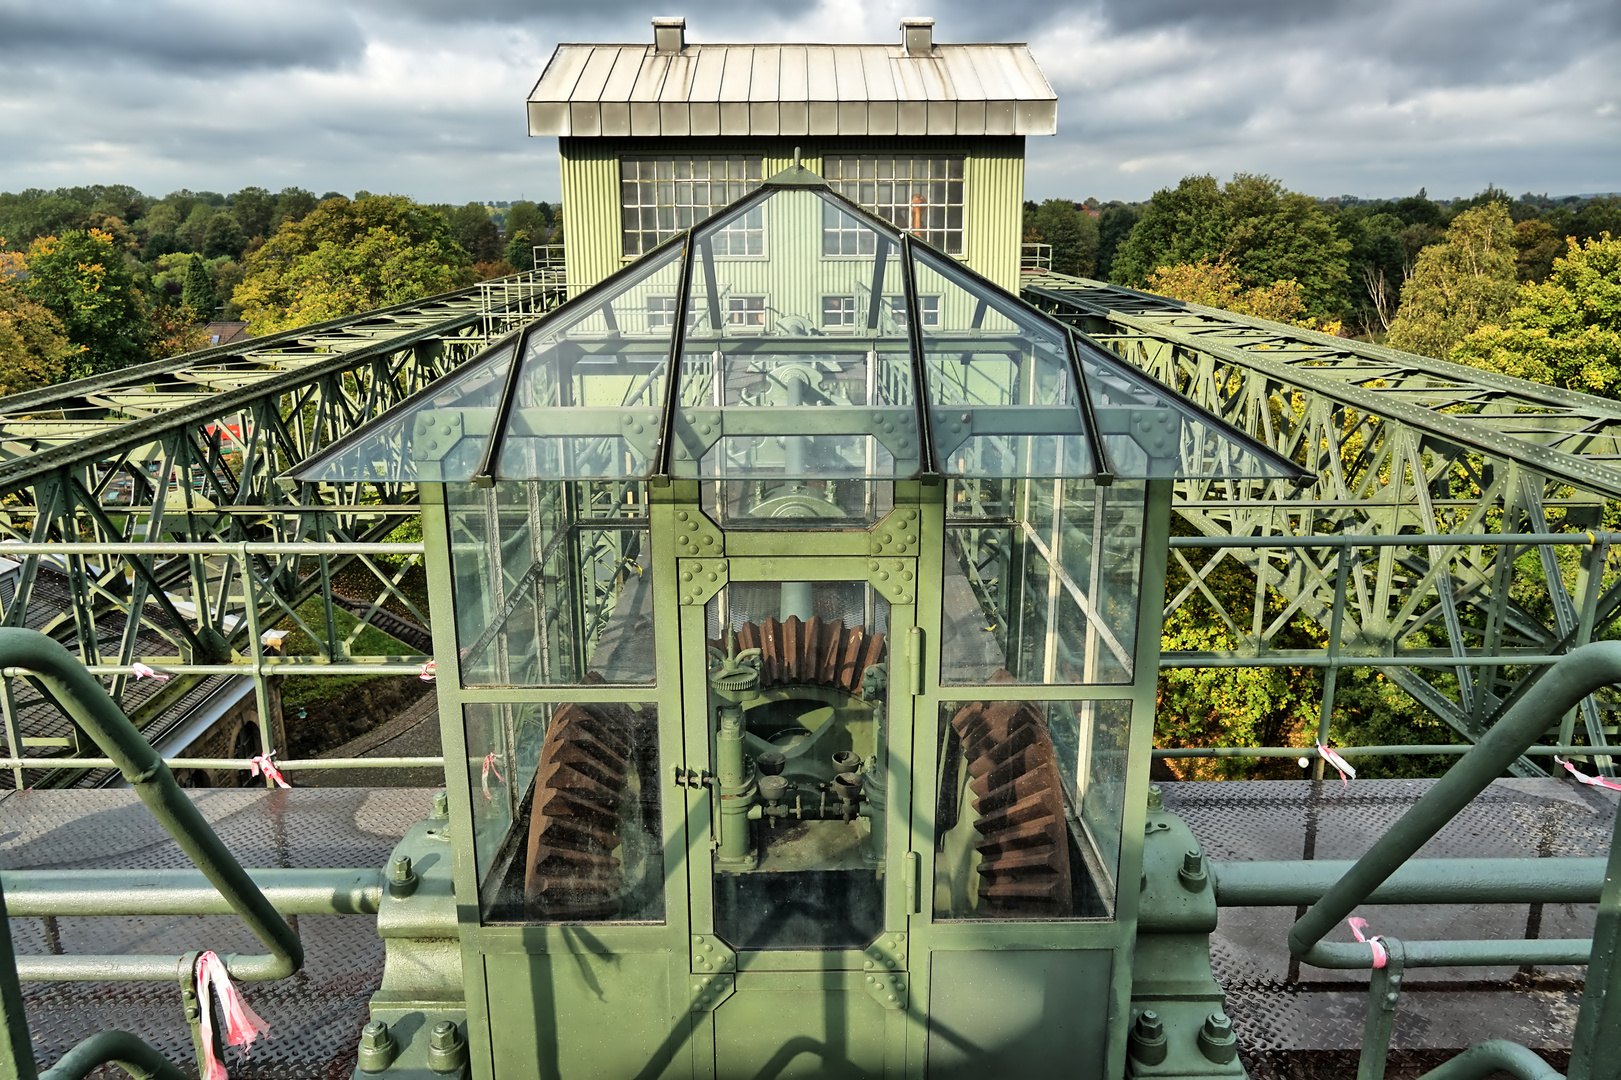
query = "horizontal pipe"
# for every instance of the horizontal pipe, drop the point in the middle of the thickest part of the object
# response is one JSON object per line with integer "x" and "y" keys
{"x": 1410, "y": 750}
{"x": 1581, "y": 539}
{"x": 1510, "y": 952}
{"x": 1290, "y": 883}
{"x": 311, "y": 548}
{"x": 1269, "y": 659}
{"x": 233, "y": 763}
{"x": 403, "y": 665}
{"x": 1498, "y": 1055}
{"x": 187, "y": 892}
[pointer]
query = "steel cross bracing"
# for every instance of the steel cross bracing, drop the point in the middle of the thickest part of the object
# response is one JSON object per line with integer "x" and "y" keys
{"x": 1401, "y": 445}
{"x": 189, "y": 450}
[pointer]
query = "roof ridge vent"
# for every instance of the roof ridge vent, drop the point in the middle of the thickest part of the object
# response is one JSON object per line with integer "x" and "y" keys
{"x": 917, "y": 35}
{"x": 669, "y": 34}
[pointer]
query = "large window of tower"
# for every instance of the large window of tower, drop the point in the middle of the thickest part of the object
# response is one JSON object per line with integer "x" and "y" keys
{"x": 920, "y": 195}
{"x": 660, "y": 196}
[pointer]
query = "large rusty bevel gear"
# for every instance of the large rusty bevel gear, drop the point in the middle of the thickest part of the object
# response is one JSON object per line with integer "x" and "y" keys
{"x": 816, "y": 653}
{"x": 574, "y": 823}
{"x": 1022, "y": 837}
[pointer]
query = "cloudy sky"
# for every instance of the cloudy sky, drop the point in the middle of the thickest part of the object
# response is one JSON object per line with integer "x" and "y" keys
{"x": 425, "y": 97}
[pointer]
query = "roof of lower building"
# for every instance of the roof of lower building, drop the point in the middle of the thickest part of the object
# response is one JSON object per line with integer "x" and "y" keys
{"x": 673, "y": 88}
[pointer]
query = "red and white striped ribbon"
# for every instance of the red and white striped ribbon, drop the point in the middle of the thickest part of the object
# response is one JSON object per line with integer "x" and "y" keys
{"x": 141, "y": 671}
{"x": 428, "y": 672}
{"x": 1380, "y": 955}
{"x": 242, "y": 1025}
{"x": 1583, "y": 778}
{"x": 484, "y": 781}
{"x": 262, "y": 765}
{"x": 1343, "y": 767}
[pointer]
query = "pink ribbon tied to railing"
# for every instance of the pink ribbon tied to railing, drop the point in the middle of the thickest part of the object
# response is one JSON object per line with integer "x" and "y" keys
{"x": 1341, "y": 766}
{"x": 141, "y": 671}
{"x": 1583, "y": 778}
{"x": 428, "y": 672}
{"x": 241, "y": 1024}
{"x": 262, "y": 765}
{"x": 1380, "y": 955}
{"x": 484, "y": 781}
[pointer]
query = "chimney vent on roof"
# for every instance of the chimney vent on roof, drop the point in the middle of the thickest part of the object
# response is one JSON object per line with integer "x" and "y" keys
{"x": 917, "y": 35}
{"x": 669, "y": 34}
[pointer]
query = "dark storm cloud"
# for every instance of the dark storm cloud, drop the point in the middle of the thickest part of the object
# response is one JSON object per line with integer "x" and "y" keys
{"x": 178, "y": 36}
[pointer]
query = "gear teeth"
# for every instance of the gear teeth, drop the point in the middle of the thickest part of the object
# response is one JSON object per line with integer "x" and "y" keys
{"x": 576, "y": 812}
{"x": 1018, "y": 799}
{"x": 817, "y": 653}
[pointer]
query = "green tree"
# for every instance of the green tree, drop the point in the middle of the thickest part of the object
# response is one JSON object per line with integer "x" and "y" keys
{"x": 253, "y": 208}
{"x": 1265, "y": 233}
{"x": 347, "y": 257}
{"x": 1565, "y": 331}
{"x": 476, "y": 233}
{"x": 198, "y": 291}
{"x": 1072, "y": 234}
{"x": 292, "y": 204}
{"x": 521, "y": 251}
{"x": 81, "y": 277}
{"x": 224, "y": 238}
{"x": 1464, "y": 281}
{"x": 34, "y": 346}
{"x": 1216, "y": 285}
{"x": 1114, "y": 225}
{"x": 194, "y": 229}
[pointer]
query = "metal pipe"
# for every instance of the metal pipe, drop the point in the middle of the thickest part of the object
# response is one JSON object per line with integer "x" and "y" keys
{"x": 218, "y": 547}
{"x": 240, "y": 764}
{"x": 1498, "y": 1055}
{"x": 1578, "y": 674}
{"x": 1291, "y": 883}
{"x": 1409, "y": 750}
{"x": 115, "y": 1047}
{"x": 187, "y": 892}
{"x": 405, "y": 665}
{"x": 79, "y": 695}
{"x": 1582, "y": 539}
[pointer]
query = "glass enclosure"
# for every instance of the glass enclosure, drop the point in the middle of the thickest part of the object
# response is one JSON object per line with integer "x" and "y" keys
{"x": 798, "y": 680}
{"x": 566, "y": 823}
{"x": 1041, "y": 581}
{"x": 1029, "y": 804}
{"x": 553, "y": 582}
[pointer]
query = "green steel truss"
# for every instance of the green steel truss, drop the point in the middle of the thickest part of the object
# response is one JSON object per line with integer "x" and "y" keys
{"x": 1476, "y": 464}
{"x": 190, "y": 451}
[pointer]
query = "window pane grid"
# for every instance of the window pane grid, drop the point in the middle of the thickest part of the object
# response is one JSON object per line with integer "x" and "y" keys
{"x": 660, "y": 196}
{"x": 920, "y": 195}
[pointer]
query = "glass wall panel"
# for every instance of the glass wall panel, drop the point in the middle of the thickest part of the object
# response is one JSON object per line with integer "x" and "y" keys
{"x": 1041, "y": 581}
{"x": 793, "y": 365}
{"x": 800, "y": 758}
{"x": 566, "y": 817}
{"x": 553, "y": 582}
{"x": 590, "y": 395}
{"x": 1004, "y": 397}
{"x": 1030, "y": 798}
{"x": 427, "y": 436}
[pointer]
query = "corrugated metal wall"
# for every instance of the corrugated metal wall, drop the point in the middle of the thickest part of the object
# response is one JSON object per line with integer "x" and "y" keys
{"x": 994, "y": 191}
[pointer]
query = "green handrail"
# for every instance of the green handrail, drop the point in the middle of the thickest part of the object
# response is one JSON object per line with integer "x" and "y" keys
{"x": 1576, "y": 675}
{"x": 79, "y": 695}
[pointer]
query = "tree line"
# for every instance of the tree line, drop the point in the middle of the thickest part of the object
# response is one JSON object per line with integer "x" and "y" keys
{"x": 99, "y": 277}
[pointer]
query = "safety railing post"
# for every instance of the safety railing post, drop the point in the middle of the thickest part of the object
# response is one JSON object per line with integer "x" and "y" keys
{"x": 261, "y": 692}
{"x": 1384, "y": 993}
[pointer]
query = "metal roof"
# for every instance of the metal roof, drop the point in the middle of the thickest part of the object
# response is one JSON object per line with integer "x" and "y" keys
{"x": 639, "y": 90}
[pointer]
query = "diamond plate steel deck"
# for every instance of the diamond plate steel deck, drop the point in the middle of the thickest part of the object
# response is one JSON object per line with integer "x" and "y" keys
{"x": 315, "y": 1017}
{"x": 1276, "y": 1005}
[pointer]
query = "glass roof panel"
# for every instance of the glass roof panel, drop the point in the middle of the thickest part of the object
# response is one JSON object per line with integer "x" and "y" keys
{"x": 795, "y": 359}
{"x": 1002, "y": 391}
{"x": 590, "y": 393}
{"x": 1149, "y": 430}
{"x": 424, "y": 437}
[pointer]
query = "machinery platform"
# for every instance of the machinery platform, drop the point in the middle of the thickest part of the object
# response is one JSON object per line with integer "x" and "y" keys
{"x": 1279, "y": 1009}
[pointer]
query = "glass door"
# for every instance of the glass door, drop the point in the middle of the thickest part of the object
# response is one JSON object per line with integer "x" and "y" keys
{"x": 796, "y": 730}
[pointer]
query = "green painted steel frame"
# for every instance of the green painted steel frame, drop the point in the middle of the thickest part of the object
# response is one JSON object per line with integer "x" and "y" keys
{"x": 682, "y": 691}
